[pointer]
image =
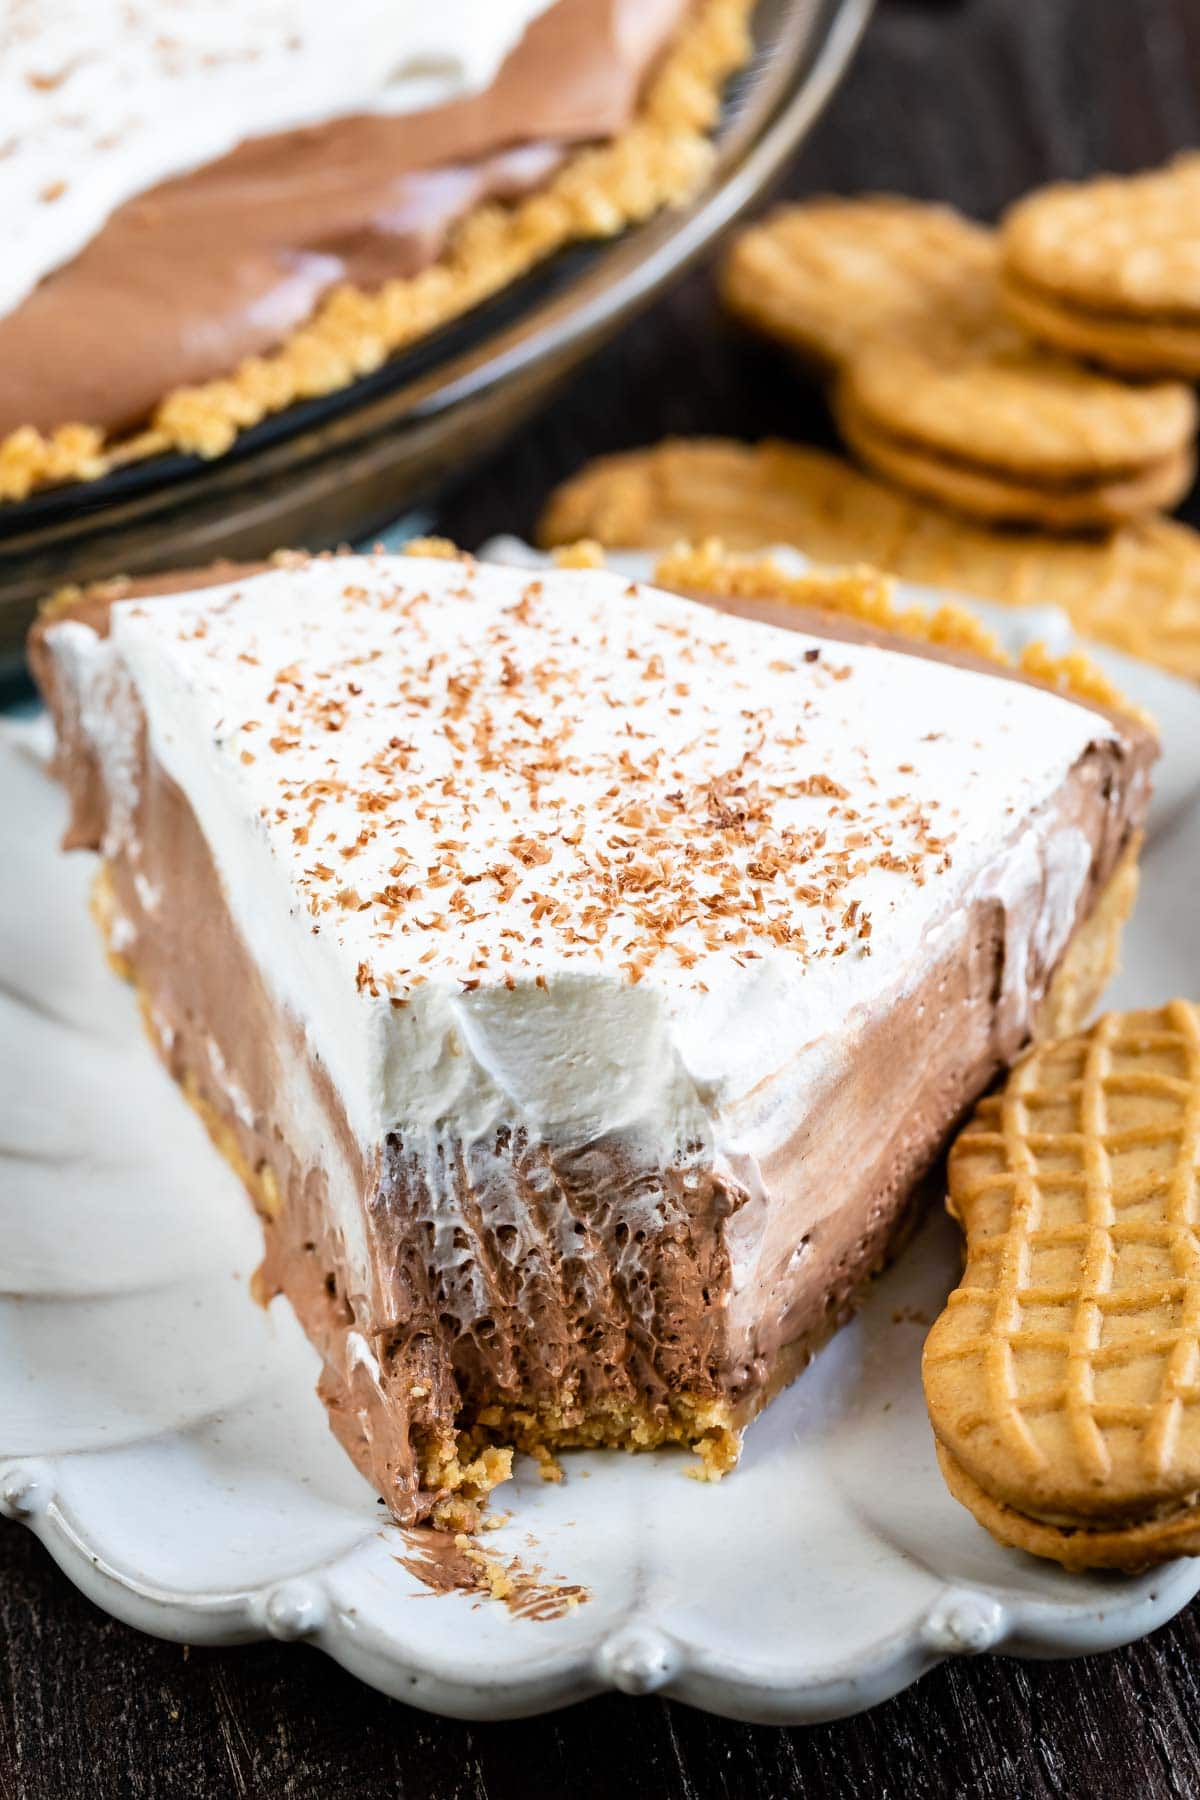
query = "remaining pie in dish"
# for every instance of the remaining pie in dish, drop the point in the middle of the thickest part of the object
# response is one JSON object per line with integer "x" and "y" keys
{"x": 212, "y": 215}
{"x": 581, "y": 977}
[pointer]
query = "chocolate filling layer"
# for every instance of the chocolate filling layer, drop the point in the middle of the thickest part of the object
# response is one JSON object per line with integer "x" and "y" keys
{"x": 593, "y": 1309}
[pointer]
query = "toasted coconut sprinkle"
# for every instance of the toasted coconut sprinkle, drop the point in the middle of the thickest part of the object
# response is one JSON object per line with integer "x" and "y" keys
{"x": 474, "y": 773}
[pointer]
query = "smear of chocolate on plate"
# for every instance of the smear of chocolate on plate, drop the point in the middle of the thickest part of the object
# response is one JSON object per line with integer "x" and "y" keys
{"x": 453, "y": 1563}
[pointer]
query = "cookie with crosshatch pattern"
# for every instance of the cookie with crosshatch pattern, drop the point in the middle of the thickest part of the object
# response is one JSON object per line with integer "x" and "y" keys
{"x": 935, "y": 387}
{"x": 1063, "y": 1377}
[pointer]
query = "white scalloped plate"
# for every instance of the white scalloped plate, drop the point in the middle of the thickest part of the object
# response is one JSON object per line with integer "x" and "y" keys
{"x": 161, "y": 1435}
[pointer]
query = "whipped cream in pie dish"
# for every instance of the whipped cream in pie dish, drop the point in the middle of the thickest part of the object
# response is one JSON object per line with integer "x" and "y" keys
{"x": 581, "y": 978}
{"x": 106, "y": 98}
{"x": 214, "y": 210}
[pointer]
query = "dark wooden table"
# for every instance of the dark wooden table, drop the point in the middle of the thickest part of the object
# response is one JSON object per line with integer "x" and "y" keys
{"x": 973, "y": 103}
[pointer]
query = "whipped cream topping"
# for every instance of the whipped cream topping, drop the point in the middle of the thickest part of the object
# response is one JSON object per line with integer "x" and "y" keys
{"x": 572, "y": 849}
{"x": 102, "y": 99}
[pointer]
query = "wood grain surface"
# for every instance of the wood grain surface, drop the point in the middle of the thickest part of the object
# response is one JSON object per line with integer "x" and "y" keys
{"x": 972, "y": 103}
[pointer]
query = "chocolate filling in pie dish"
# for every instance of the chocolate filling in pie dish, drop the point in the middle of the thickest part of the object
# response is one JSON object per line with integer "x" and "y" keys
{"x": 203, "y": 232}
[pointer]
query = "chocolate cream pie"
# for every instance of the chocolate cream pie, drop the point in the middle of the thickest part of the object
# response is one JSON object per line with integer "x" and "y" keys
{"x": 213, "y": 212}
{"x": 581, "y": 978}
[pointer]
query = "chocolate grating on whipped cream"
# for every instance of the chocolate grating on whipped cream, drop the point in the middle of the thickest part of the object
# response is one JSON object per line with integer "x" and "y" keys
{"x": 586, "y": 977}
{"x": 548, "y": 778}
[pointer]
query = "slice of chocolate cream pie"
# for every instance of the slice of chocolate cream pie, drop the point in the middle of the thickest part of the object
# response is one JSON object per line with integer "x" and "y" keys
{"x": 580, "y": 978}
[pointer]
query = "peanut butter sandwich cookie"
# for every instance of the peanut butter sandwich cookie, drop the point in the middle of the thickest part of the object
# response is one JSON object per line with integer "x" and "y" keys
{"x": 1109, "y": 269}
{"x": 1063, "y": 1377}
{"x": 1137, "y": 588}
{"x": 937, "y": 388}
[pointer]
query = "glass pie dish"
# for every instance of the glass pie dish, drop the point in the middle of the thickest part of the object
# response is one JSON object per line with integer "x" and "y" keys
{"x": 340, "y": 467}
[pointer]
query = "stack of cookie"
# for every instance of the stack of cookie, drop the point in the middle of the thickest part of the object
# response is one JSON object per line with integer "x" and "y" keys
{"x": 1110, "y": 269}
{"x": 1021, "y": 398}
{"x": 937, "y": 382}
{"x": 1063, "y": 1378}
